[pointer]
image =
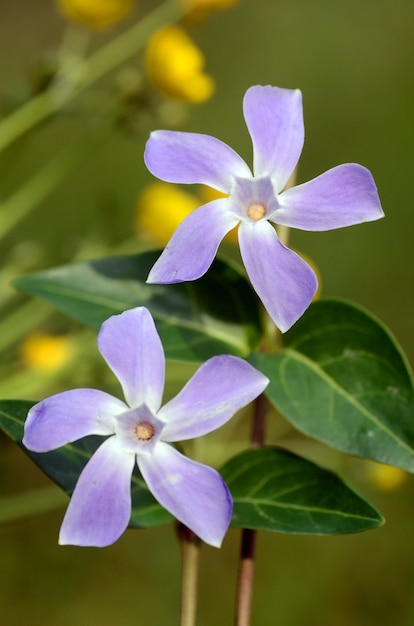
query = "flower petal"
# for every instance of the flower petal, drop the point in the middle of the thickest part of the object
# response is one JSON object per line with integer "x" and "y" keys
{"x": 274, "y": 118}
{"x": 219, "y": 388}
{"x": 131, "y": 346}
{"x": 194, "y": 244}
{"x": 179, "y": 157}
{"x": 100, "y": 507}
{"x": 282, "y": 280}
{"x": 69, "y": 416}
{"x": 194, "y": 493}
{"x": 342, "y": 196}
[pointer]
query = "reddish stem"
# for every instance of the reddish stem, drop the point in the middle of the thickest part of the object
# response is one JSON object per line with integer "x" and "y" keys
{"x": 248, "y": 538}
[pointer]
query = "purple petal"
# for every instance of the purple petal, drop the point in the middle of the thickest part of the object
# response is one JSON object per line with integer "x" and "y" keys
{"x": 219, "y": 388}
{"x": 274, "y": 118}
{"x": 193, "y": 246}
{"x": 100, "y": 507}
{"x": 131, "y": 346}
{"x": 69, "y": 416}
{"x": 194, "y": 493}
{"x": 282, "y": 280}
{"x": 178, "y": 157}
{"x": 342, "y": 196}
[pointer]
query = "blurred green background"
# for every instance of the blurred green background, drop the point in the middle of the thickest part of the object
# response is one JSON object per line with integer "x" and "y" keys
{"x": 354, "y": 62}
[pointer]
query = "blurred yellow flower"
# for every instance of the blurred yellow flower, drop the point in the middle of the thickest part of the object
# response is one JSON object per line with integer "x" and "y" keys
{"x": 386, "y": 477}
{"x": 175, "y": 65}
{"x": 161, "y": 207}
{"x": 46, "y": 353}
{"x": 96, "y": 14}
{"x": 199, "y": 10}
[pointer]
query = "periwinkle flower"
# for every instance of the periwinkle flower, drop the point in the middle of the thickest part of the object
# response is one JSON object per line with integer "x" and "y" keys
{"x": 141, "y": 431}
{"x": 342, "y": 196}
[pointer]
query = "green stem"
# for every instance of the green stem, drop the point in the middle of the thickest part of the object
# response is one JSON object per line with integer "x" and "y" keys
{"x": 21, "y": 321}
{"x": 31, "y": 503}
{"x": 190, "y": 566}
{"x": 41, "y": 184}
{"x": 86, "y": 71}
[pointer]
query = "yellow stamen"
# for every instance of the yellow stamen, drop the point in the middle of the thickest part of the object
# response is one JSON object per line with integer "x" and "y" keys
{"x": 144, "y": 431}
{"x": 256, "y": 212}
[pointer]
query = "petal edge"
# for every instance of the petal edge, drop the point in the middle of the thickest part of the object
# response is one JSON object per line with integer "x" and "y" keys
{"x": 283, "y": 281}
{"x": 194, "y": 493}
{"x": 274, "y": 118}
{"x": 182, "y": 157}
{"x": 343, "y": 196}
{"x": 100, "y": 506}
{"x": 218, "y": 389}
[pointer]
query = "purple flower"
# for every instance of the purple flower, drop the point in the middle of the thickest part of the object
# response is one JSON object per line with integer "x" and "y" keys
{"x": 342, "y": 196}
{"x": 139, "y": 430}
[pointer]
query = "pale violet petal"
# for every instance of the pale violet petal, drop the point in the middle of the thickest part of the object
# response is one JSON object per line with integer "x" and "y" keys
{"x": 194, "y": 493}
{"x": 69, "y": 416}
{"x": 342, "y": 196}
{"x": 100, "y": 507}
{"x": 180, "y": 157}
{"x": 193, "y": 246}
{"x": 282, "y": 280}
{"x": 274, "y": 118}
{"x": 219, "y": 388}
{"x": 131, "y": 346}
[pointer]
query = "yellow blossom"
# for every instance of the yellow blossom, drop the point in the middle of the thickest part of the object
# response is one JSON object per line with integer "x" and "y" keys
{"x": 161, "y": 207}
{"x": 199, "y": 10}
{"x": 175, "y": 65}
{"x": 96, "y": 14}
{"x": 386, "y": 477}
{"x": 45, "y": 352}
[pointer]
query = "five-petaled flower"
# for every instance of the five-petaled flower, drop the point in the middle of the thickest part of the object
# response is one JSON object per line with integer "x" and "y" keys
{"x": 139, "y": 430}
{"x": 342, "y": 196}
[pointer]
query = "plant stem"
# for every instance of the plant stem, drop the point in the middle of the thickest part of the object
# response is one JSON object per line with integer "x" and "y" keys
{"x": 31, "y": 503}
{"x": 248, "y": 538}
{"x": 259, "y": 421}
{"x": 246, "y": 574}
{"x": 85, "y": 72}
{"x": 44, "y": 181}
{"x": 190, "y": 565}
{"x": 21, "y": 321}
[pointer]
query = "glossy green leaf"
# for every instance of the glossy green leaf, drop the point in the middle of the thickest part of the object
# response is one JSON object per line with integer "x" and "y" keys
{"x": 64, "y": 465}
{"x": 343, "y": 379}
{"x": 276, "y": 490}
{"x": 216, "y": 314}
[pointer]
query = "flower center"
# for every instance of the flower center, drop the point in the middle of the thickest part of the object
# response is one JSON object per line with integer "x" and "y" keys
{"x": 144, "y": 431}
{"x": 256, "y": 212}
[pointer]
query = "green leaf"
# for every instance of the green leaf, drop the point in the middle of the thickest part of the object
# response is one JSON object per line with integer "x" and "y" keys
{"x": 343, "y": 379}
{"x": 276, "y": 490}
{"x": 64, "y": 465}
{"x": 216, "y": 314}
